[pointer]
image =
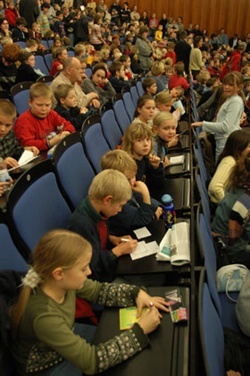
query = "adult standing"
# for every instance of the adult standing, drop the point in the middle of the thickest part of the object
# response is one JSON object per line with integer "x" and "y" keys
{"x": 29, "y": 10}
{"x": 182, "y": 50}
{"x": 195, "y": 60}
{"x": 145, "y": 50}
{"x": 95, "y": 37}
{"x": 115, "y": 11}
{"x": 82, "y": 28}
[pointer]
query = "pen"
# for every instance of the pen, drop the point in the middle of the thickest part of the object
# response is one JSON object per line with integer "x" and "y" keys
{"x": 125, "y": 240}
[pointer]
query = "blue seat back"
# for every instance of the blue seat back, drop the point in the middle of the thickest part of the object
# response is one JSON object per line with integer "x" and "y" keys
{"x": 40, "y": 64}
{"x": 111, "y": 129}
{"x": 212, "y": 336}
{"x": 10, "y": 257}
{"x": 48, "y": 60}
{"x": 139, "y": 88}
{"x": 121, "y": 115}
{"x": 73, "y": 169}
{"x": 129, "y": 105}
{"x": 40, "y": 206}
{"x": 88, "y": 72}
{"x": 210, "y": 261}
{"x": 134, "y": 95}
{"x": 204, "y": 198}
{"x": 95, "y": 144}
{"x": 20, "y": 96}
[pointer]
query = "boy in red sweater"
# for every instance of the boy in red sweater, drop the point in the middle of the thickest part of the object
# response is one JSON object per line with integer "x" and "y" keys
{"x": 40, "y": 126}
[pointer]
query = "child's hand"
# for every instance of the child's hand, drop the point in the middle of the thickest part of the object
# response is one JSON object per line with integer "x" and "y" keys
{"x": 158, "y": 212}
{"x": 117, "y": 239}
{"x": 145, "y": 300}
{"x": 197, "y": 124}
{"x": 141, "y": 188}
{"x": 34, "y": 150}
{"x": 125, "y": 248}
{"x": 64, "y": 134}
{"x": 154, "y": 160}
{"x": 60, "y": 67}
{"x": 166, "y": 162}
{"x": 4, "y": 186}
{"x": 83, "y": 110}
{"x": 55, "y": 140}
{"x": 174, "y": 141}
{"x": 150, "y": 320}
{"x": 11, "y": 162}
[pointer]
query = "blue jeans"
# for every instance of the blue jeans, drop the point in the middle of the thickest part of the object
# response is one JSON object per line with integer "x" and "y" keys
{"x": 66, "y": 368}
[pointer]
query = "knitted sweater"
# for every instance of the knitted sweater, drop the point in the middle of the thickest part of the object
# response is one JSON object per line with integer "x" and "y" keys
{"x": 218, "y": 184}
{"x": 45, "y": 336}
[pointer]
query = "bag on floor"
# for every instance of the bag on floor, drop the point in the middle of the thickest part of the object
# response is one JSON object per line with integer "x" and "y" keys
{"x": 230, "y": 278}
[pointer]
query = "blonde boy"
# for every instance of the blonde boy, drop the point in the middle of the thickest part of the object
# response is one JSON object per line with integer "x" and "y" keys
{"x": 40, "y": 126}
{"x": 138, "y": 211}
{"x": 108, "y": 193}
{"x": 164, "y": 102}
{"x": 165, "y": 137}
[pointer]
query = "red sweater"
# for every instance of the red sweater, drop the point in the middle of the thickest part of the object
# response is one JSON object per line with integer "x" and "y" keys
{"x": 32, "y": 131}
{"x": 54, "y": 67}
{"x": 233, "y": 64}
{"x": 176, "y": 80}
{"x": 171, "y": 54}
{"x": 11, "y": 16}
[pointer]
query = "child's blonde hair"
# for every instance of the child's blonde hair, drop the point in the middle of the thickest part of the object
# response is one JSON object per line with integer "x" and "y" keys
{"x": 6, "y": 40}
{"x": 56, "y": 249}
{"x": 157, "y": 68}
{"x": 7, "y": 108}
{"x": 161, "y": 117}
{"x": 40, "y": 89}
{"x": 163, "y": 97}
{"x": 79, "y": 49}
{"x": 135, "y": 131}
{"x": 110, "y": 183}
{"x": 118, "y": 160}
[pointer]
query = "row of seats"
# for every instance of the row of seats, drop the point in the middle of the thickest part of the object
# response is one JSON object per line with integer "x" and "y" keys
{"x": 20, "y": 97}
{"x": 46, "y": 42}
{"x": 216, "y": 310}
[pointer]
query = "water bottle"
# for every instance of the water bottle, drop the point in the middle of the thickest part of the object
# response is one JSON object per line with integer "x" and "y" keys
{"x": 4, "y": 174}
{"x": 169, "y": 214}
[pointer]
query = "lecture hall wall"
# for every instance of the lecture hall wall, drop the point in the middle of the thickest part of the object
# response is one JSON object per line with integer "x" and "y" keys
{"x": 212, "y": 15}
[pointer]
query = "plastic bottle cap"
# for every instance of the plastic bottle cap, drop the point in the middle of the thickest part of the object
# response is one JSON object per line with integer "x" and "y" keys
{"x": 167, "y": 199}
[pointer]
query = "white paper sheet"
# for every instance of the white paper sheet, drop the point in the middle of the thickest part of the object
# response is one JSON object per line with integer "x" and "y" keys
{"x": 177, "y": 159}
{"x": 142, "y": 233}
{"x": 144, "y": 249}
{"x": 25, "y": 158}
